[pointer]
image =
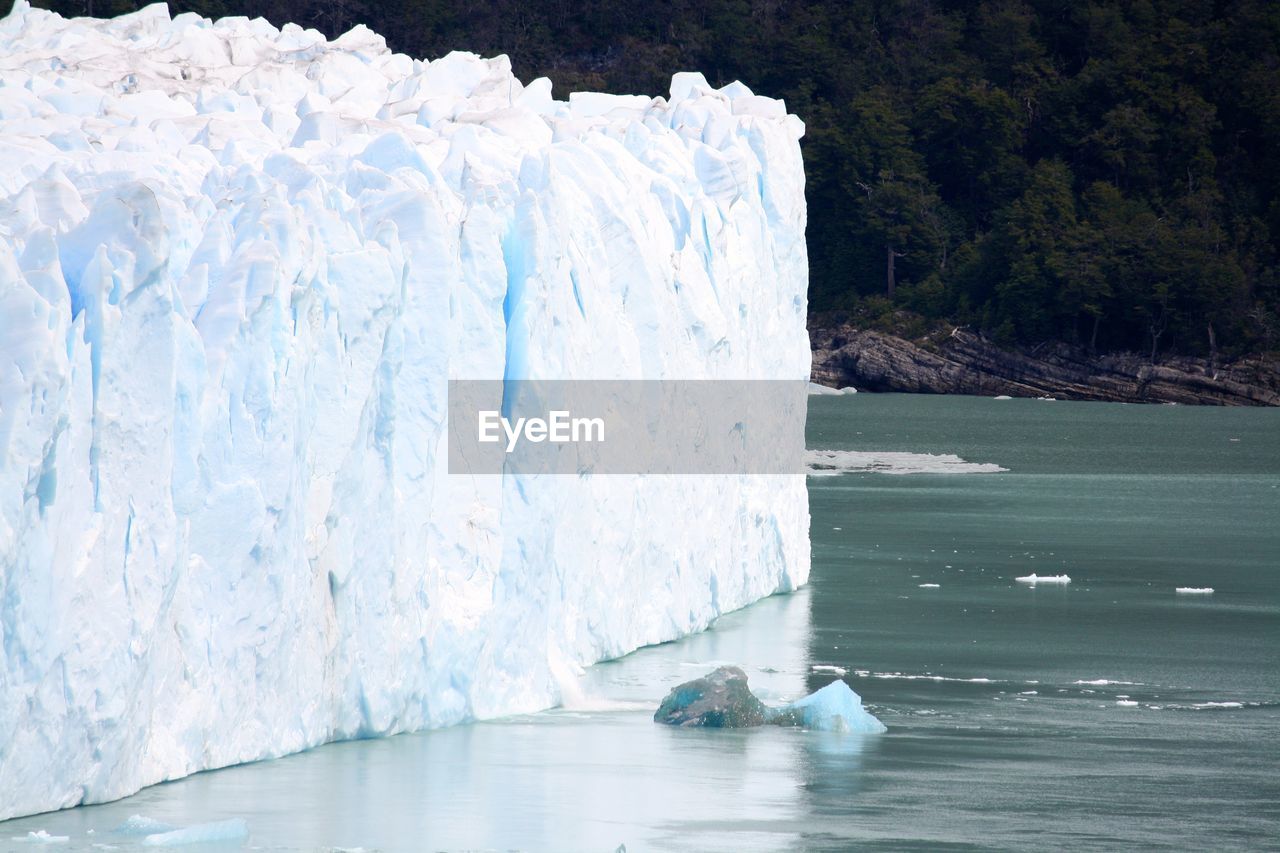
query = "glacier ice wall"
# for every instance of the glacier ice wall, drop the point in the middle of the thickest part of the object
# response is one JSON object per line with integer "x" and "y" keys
{"x": 237, "y": 267}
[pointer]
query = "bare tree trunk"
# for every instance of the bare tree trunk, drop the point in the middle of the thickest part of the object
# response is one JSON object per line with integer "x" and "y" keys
{"x": 890, "y": 255}
{"x": 1093, "y": 339}
{"x": 1213, "y": 352}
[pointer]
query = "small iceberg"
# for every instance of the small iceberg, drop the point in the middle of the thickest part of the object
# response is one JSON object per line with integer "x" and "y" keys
{"x": 827, "y": 463}
{"x": 816, "y": 390}
{"x": 834, "y": 708}
{"x": 721, "y": 699}
{"x": 202, "y": 833}
{"x": 1194, "y": 590}
{"x": 1002, "y": 397}
{"x": 826, "y": 667}
{"x": 39, "y": 836}
{"x": 1034, "y": 579}
{"x": 928, "y": 585}
{"x": 142, "y": 825}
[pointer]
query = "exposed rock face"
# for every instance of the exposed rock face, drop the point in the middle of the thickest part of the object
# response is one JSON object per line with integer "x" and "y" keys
{"x": 720, "y": 699}
{"x": 960, "y": 362}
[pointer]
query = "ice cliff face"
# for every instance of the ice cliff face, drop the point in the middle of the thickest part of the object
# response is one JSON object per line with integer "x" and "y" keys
{"x": 238, "y": 266}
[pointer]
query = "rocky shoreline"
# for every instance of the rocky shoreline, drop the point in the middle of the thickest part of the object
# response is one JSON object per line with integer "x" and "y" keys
{"x": 957, "y": 361}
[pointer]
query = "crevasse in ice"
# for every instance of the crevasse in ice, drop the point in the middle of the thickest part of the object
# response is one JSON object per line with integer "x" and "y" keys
{"x": 238, "y": 266}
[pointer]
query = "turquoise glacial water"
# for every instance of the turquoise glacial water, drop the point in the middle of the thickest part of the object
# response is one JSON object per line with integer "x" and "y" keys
{"x": 1109, "y": 713}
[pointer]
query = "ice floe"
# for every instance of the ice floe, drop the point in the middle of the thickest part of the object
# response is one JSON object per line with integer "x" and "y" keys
{"x": 832, "y": 462}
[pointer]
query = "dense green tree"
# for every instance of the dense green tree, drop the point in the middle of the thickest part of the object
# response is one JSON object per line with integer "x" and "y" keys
{"x": 1104, "y": 171}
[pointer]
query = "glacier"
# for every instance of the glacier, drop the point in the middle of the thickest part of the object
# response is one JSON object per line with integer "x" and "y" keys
{"x": 238, "y": 266}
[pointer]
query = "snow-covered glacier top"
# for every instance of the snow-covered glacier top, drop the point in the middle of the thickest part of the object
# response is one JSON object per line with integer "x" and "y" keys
{"x": 238, "y": 266}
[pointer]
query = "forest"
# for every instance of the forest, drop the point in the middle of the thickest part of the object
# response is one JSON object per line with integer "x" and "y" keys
{"x": 1105, "y": 173}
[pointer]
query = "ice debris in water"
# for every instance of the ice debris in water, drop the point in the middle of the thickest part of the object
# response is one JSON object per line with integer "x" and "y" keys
{"x": 40, "y": 836}
{"x": 721, "y": 699}
{"x": 141, "y": 825}
{"x": 202, "y": 833}
{"x": 826, "y": 667}
{"x": 1194, "y": 590}
{"x": 834, "y": 708}
{"x": 1035, "y": 579}
{"x": 829, "y": 462}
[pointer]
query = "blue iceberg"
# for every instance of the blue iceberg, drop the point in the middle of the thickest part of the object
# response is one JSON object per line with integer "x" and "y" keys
{"x": 721, "y": 699}
{"x": 834, "y": 708}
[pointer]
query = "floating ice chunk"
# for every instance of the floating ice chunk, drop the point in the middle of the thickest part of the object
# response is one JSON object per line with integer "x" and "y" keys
{"x": 1126, "y": 703}
{"x": 39, "y": 836}
{"x": 202, "y": 833}
{"x": 831, "y": 462}
{"x": 834, "y": 708}
{"x": 142, "y": 825}
{"x": 1035, "y": 579}
{"x": 1208, "y": 706}
{"x": 1102, "y": 682}
{"x": 1194, "y": 590}
{"x": 824, "y": 667}
{"x": 1002, "y": 397}
{"x": 928, "y": 586}
{"x": 848, "y": 389}
{"x": 722, "y": 699}
{"x": 816, "y": 390}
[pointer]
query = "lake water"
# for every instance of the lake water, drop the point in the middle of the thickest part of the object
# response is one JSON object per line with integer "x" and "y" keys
{"x": 1111, "y": 712}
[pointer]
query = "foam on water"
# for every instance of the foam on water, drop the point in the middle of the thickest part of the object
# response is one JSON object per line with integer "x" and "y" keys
{"x": 862, "y": 673}
{"x": 1102, "y": 682}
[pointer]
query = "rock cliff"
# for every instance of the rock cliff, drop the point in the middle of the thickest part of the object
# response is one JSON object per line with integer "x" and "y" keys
{"x": 957, "y": 361}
